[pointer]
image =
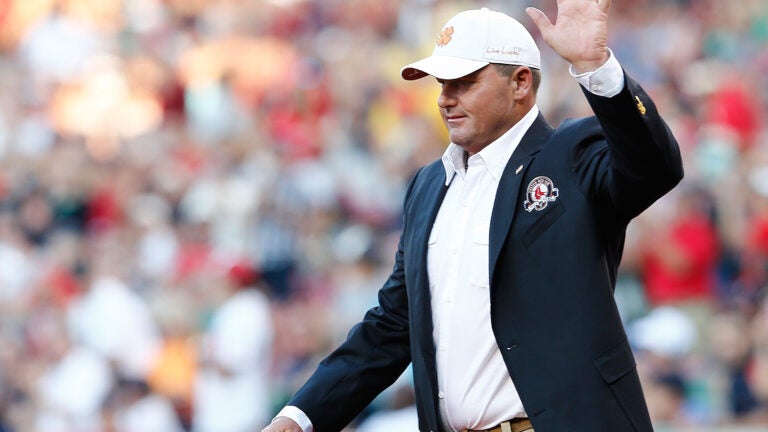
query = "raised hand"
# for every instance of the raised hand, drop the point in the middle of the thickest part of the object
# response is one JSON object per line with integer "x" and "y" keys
{"x": 579, "y": 34}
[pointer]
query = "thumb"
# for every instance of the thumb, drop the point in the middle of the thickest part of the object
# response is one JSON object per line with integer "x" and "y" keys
{"x": 541, "y": 20}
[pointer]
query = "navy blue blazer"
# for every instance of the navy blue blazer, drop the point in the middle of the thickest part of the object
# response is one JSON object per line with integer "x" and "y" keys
{"x": 553, "y": 260}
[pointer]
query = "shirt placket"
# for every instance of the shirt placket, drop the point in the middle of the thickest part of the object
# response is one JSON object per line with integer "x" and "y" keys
{"x": 457, "y": 274}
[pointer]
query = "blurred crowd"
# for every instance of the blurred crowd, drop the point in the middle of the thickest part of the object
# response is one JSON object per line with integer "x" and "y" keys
{"x": 198, "y": 198}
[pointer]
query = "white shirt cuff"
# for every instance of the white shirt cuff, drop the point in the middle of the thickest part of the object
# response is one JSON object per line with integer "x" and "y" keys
{"x": 298, "y": 416}
{"x": 606, "y": 81}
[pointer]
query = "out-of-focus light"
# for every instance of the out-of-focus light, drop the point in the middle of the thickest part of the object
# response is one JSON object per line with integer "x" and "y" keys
{"x": 103, "y": 14}
{"x": 18, "y": 17}
{"x": 105, "y": 108}
{"x": 251, "y": 64}
{"x": 284, "y": 2}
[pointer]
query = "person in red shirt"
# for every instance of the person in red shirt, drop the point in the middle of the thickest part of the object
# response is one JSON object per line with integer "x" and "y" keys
{"x": 680, "y": 254}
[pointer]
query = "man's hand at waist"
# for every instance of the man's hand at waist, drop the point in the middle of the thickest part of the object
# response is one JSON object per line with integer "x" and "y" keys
{"x": 290, "y": 419}
{"x": 282, "y": 424}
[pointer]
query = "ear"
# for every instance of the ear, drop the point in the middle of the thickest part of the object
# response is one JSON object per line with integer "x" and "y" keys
{"x": 522, "y": 80}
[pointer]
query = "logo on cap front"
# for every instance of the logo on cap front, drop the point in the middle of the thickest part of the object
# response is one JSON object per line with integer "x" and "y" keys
{"x": 445, "y": 37}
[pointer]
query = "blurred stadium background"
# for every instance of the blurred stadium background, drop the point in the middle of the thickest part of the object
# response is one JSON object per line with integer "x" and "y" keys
{"x": 199, "y": 197}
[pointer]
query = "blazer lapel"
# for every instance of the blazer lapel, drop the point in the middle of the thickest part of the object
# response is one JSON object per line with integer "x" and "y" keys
{"x": 427, "y": 198}
{"x": 508, "y": 193}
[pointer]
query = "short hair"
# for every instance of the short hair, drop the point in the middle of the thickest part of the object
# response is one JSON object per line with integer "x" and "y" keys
{"x": 508, "y": 69}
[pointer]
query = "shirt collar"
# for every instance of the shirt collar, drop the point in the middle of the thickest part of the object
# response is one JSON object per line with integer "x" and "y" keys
{"x": 495, "y": 155}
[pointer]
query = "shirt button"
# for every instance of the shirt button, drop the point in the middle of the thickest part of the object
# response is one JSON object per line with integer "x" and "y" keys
{"x": 454, "y": 251}
{"x": 441, "y": 395}
{"x": 449, "y": 300}
{"x": 442, "y": 348}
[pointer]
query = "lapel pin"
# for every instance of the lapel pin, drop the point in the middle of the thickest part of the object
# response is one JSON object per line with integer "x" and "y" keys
{"x": 517, "y": 171}
{"x": 640, "y": 106}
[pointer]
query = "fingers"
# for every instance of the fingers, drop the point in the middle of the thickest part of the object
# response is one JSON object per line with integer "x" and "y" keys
{"x": 604, "y": 5}
{"x": 540, "y": 19}
{"x": 282, "y": 424}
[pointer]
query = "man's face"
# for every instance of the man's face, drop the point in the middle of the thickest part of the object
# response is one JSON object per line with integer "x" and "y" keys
{"x": 479, "y": 108}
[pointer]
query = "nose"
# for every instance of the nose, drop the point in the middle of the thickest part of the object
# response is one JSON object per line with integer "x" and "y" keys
{"x": 447, "y": 98}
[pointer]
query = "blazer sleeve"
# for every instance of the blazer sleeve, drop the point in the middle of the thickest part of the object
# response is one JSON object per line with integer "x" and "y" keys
{"x": 633, "y": 159}
{"x": 374, "y": 355}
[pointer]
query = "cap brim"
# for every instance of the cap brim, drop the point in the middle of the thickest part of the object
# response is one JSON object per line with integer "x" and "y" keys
{"x": 441, "y": 67}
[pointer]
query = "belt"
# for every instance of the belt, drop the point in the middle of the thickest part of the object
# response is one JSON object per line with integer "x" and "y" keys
{"x": 514, "y": 425}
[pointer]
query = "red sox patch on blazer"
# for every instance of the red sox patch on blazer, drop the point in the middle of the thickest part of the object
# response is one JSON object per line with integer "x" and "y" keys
{"x": 541, "y": 191}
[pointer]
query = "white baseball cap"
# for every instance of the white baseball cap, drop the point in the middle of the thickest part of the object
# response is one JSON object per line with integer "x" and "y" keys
{"x": 471, "y": 40}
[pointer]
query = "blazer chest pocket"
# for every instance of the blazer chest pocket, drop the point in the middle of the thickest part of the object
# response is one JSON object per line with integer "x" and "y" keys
{"x": 545, "y": 219}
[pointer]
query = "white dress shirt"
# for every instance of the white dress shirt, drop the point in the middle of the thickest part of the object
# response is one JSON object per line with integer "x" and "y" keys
{"x": 474, "y": 386}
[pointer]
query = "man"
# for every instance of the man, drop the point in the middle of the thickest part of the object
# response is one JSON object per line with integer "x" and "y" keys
{"x": 502, "y": 291}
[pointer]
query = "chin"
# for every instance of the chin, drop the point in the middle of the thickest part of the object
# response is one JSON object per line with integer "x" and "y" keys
{"x": 458, "y": 140}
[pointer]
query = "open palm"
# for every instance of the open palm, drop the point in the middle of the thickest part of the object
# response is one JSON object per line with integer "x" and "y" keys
{"x": 580, "y": 32}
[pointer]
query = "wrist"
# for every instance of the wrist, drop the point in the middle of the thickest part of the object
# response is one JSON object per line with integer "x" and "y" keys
{"x": 295, "y": 416}
{"x": 585, "y": 66}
